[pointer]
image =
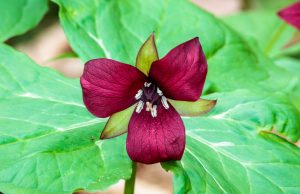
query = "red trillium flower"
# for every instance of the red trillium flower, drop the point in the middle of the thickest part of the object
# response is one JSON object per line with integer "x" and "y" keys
{"x": 147, "y": 100}
{"x": 291, "y": 14}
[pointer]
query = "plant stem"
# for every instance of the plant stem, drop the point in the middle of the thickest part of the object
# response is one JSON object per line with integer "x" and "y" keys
{"x": 275, "y": 38}
{"x": 129, "y": 184}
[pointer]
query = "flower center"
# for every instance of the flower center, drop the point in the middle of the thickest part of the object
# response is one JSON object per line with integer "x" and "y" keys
{"x": 151, "y": 96}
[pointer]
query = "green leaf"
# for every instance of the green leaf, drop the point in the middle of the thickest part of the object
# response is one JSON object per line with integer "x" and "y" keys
{"x": 199, "y": 107}
{"x": 180, "y": 176}
{"x": 93, "y": 29}
{"x": 267, "y": 27}
{"x": 18, "y": 16}
{"x": 226, "y": 151}
{"x": 271, "y": 33}
{"x": 98, "y": 29}
{"x": 292, "y": 65}
{"x": 117, "y": 124}
{"x": 48, "y": 140}
{"x": 146, "y": 55}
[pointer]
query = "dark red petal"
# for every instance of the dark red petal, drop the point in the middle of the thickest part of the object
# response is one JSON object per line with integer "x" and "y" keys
{"x": 181, "y": 73}
{"x": 109, "y": 86}
{"x": 291, "y": 14}
{"x": 158, "y": 139}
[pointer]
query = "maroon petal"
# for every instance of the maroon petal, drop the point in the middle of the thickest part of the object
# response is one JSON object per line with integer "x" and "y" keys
{"x": 291, "y": 14}
{"x": 155, "y": 139}
{"x": 109, "y": 86}
{"x": 182, "y": 72}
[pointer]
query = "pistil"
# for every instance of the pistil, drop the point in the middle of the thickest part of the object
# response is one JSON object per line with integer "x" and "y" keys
{"x": 152, "y": 96}
{"x": 149, "y": 106}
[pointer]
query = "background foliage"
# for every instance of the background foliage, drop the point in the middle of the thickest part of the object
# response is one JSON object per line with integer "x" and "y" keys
{"x": 49, "y": 142}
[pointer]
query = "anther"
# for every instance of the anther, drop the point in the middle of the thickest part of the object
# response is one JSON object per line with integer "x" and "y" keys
{"x": 164, "y": 102}
{"x": 146, "y": 84}
{"x": 159, "y": 92}
{"x": 138, "y": 94}
{"x": 154, "y": 111}
{"x": 139, "y": 106}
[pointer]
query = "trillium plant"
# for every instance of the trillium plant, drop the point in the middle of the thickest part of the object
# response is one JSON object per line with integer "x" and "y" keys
{"x": 213, "y": 101}
{"x": 149, "y": 100}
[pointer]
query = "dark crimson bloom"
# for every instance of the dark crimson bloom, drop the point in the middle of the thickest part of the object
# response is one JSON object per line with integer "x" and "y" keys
{"x": 291, "y": 14}
{"x": 147, "y": 99}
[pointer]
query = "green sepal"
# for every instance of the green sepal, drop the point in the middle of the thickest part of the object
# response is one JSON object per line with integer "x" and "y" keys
{"x": 187, "y": 108}
{"x": 147, "y": 55}
{"x": 117, "y": 124}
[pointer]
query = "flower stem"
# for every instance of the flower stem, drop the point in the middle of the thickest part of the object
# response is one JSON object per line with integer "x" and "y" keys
{"x": 275, "y": 38}
{"x": 129, "y": 184}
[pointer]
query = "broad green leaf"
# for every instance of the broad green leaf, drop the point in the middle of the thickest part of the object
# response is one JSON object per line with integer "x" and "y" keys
{"x": 108, "y": 29}
{"x": 146, "y": 55}
{"x": 232, "y": 150}
{"x": 226, "y": 151}
{"x": 117, "y": 124}
{"x": 180, "y": 179}
{"x": 199, "y": 107}
{"x": 271, "y": 33}
{"x": 292, "y": 65}
{"x": 48, "y": 140}
{"x": 18, "y": 16}
{"x": 116, "y": 29}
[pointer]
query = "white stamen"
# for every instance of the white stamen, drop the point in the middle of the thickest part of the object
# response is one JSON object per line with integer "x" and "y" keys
{"x": 154, "y": 111}
{"x": 146, "y": 84}
{"x": 138, "y": 94}
{"x": 139, "y": 106}
{"x": 159, "y": 92}
{"x": 164, "y": 102}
